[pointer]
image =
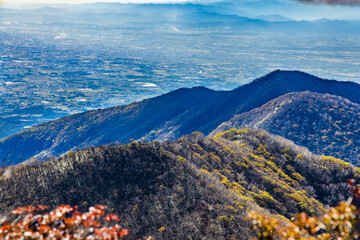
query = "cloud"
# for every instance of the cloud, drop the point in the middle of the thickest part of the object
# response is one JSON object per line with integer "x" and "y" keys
{"x": 61, "y": 36}
{"x": 332, "y": 2}
{"x": 174, "y": 29}
{"x": 149, "y": 85}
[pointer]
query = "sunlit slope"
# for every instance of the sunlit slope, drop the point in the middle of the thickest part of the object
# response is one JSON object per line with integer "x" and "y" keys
{"x": 191, "y": 188}
{"x": 326, "y": 124}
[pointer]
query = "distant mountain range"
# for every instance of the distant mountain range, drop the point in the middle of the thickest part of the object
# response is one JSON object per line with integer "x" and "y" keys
{"x": 324, "y": 123}
{"x": 247, "y": 8}
{"x": 194, "y": 188}
{"x": 274, "y": 18}
{"x": 192, "y": 15}
{"x": 166, "y": 117}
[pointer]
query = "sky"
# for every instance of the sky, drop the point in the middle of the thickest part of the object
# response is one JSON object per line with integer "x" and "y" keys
{"x": 84, "y": 1}
{"x": 315, "y": 2}
{"x": 19, "y": 3}
{"x": 294, "y": 9}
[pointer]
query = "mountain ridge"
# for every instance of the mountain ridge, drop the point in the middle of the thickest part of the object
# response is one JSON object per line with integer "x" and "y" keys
{"x": 194, "y": 187}
{"x": 168, "y": 116}
{"x": 294, "y": 115}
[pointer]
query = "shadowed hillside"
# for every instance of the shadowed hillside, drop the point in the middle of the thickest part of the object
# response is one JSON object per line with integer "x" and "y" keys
{"x": 195, "y": 187}
{"x": 326, "y": 124}
{"x": 165, "y": 117}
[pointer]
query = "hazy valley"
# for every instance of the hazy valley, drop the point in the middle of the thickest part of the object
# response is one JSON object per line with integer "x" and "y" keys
{"x": 63, "y": 59}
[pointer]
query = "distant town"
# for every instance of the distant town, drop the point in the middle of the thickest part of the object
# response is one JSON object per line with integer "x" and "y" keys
{"x": 57, "y": 63}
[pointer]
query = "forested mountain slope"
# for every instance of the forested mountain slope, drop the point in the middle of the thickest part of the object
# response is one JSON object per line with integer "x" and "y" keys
{"x": 193, "y": 188}
{"x": 326, "y": 124}
{"x": 165, "y": 117}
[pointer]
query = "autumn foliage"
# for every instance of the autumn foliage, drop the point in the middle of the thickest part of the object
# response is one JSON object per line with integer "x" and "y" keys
{"x": 64, "y": 222}
{"x": 341, "y": 223}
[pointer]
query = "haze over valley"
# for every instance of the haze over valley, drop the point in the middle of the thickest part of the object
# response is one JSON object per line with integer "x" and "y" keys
{"x": 64, "y": 59}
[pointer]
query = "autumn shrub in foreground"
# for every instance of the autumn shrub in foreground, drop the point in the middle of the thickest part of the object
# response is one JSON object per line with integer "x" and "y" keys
{"x": 337, "y": 223}
{"x": 340, "y": 223}
{"x": 64, "y": 222}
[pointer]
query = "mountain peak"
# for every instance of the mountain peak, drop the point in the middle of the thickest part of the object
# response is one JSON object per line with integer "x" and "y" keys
{"x": 282, "y": 75}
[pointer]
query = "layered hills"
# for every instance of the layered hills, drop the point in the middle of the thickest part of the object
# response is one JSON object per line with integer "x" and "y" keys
{"x": 196, "y": 187}
{"x": 165, "y": 117}
{"x": 324, "y": 123}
